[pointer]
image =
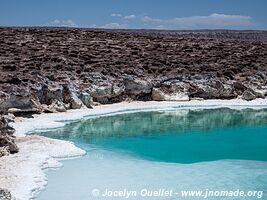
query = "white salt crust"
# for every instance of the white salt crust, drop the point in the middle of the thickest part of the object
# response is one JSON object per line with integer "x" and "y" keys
{"x": 23, "y": 173}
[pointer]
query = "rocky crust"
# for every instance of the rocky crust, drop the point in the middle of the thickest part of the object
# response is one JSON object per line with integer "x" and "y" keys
{"x": 5, "y": 195}
{"x": 53, "y": 69}
{"x": 7, "y": 143}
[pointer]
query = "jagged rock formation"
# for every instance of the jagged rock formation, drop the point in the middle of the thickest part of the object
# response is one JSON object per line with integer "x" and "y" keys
{"x": 7, "y": 143}
{"x": 55, "y": 69}
{"x": 5, "y": 195}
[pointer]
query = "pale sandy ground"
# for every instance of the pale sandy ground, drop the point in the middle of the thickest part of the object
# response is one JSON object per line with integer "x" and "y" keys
{"x": 23, "y": 173}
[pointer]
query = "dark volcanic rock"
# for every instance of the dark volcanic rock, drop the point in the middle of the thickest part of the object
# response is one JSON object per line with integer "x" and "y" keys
{"x": 71, "y": 96}
{"x": 135, "y": 86}
{"x": 7, "y": 143}
{"x": 53, "y": 69}
{"x": 5, "y": 195}
{"x": 250, "y": 95}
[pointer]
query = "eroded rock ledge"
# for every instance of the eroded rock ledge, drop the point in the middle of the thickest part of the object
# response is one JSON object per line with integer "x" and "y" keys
{"x": 52, "y": 69}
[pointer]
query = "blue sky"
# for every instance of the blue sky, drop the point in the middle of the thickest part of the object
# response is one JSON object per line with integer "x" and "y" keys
{"x": 159, "y": 14}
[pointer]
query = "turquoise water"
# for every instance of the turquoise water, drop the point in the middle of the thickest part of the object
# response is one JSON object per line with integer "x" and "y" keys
{"x": 180, "y": 149}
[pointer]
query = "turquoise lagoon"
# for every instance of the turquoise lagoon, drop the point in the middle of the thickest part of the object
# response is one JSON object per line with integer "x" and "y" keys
{"x": 179, "y": 149}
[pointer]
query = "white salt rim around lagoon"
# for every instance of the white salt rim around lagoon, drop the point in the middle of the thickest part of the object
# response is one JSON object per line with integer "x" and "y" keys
{"x": 23, "y": 173}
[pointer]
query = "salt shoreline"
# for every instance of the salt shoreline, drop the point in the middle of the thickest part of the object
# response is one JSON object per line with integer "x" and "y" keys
{"x": 23, "y": 173}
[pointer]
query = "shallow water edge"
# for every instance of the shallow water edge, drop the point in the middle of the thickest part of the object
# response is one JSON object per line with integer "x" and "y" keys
{"x": 41, "y": 159}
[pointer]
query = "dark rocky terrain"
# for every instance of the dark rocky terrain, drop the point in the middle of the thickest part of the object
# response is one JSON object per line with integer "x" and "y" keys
{"x": 244, "y": 35}
{"x": 5, "y": 195}
{"x": 55, "y": 69}
{"x": 7, "y": 140}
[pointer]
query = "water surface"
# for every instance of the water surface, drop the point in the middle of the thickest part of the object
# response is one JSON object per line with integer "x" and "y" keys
{"x": 180, "y": 149}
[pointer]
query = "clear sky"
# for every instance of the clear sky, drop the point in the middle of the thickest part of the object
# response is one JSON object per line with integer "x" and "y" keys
{"x": 159, "y": 14}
